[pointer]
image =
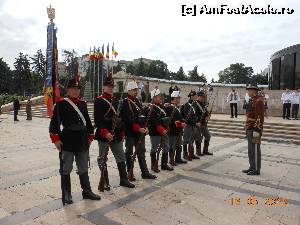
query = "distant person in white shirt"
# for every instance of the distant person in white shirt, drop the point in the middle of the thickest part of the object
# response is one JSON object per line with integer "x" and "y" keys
{"x": 286, "y": 99}
{"x": 233, "y": 98}
{"x": 295, "y": 103}
{"x": 266, "y": 98}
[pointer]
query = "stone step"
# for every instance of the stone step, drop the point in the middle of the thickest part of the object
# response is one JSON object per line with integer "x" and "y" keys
{"x": 265, "y": 134}
{"x": 268, "y": 139}
{"x": 219, "y": 121}
{"x": 266, "y": 129}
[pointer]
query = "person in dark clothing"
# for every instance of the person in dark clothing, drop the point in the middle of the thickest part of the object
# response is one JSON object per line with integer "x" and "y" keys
{"x": 203, "y": 117}
{"x": 134, "y": 120}
{"x": 175, "y": 129}
{"x": 16, "y": 105}
{"x": 28, "y": 109}
{"x": 105, "y": 111}
{"x": 158, "y": 131}
{"x": 74, "y": 139}
{"x": 190, "y": 117}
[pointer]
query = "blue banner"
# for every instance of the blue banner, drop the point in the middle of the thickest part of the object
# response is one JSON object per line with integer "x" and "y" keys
{"x": 49, "y": 53}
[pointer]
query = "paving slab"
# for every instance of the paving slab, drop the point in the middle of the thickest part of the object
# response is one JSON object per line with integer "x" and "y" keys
{"x": 212, "y": 190}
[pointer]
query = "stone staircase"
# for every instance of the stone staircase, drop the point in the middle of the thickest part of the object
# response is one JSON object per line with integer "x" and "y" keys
{"x": 273, "y": 132}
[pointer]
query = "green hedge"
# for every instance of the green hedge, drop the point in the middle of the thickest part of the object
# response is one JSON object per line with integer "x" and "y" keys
{"x": 5, "y": 99}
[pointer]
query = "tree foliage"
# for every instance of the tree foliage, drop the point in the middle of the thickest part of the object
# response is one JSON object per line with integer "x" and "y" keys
{"x": 236, "y": 73}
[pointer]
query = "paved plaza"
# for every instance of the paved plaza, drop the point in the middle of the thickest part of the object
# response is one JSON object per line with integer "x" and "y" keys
{"x": 212, "y": 190}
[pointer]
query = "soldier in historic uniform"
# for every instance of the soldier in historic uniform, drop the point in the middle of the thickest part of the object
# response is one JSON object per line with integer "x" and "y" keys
{"x": 158, "y": 131}
{"x": 105, "y": 110}
{"x": 203, "y": 131}
{"x": 74, "y": 139}
{"x": 134, "y": 120}
{"x": 190, "y": 116}
{"x": 175, "y": 129}
{"x": 16, "y": 105}
{"x": 28, "y": 109}
{"x": 254, "y": 128}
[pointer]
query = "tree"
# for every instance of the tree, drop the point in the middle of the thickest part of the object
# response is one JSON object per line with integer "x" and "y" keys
{"x": 202, "y": 78}
{"x": 130, "y": 69}
{"x": 70, "y": 59}
{"x": 22, "y": 75}
{"x": 117, "y": 68}
{"x": 38, "y": 65}
{"x": 158, "y": 69}
{"x": 194, "y": 75}
{"x": 5, "y": 77}
{"x": 180, "y": 75}
{"x": 236, "y": 73}
{"x": 141, "y": 69}
{"x": 260, "y": 78}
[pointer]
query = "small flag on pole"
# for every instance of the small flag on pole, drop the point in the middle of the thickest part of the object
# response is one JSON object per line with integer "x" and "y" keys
{"x": 115, "y": 53}
{"x": 91, "y": 55}
{"x": 107, "y": 51}
{"x": 100, "y": 55}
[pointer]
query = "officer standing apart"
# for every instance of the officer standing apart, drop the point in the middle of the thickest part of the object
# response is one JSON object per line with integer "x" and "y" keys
{"x": 105, "y": 110}
{"x": 176, "y": 125}
{"x": 158, "y": 131}
{"x": 74, "y": 140}
{"x": 254, "y": 128}
{"x": 135, "y": 131}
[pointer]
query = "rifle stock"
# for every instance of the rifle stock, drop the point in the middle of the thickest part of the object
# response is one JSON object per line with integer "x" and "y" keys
{"x": 103, "y": 171}
{"x": 155, "y": 167}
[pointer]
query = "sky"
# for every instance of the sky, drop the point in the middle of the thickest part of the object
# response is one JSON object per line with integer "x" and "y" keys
{"x": 152, "y": 29}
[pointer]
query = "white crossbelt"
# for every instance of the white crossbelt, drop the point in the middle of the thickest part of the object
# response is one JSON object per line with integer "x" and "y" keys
{"x": 77, "y": 110}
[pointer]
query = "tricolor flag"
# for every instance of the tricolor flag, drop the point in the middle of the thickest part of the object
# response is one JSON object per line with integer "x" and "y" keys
{"x": 100, "y": 55}
{"x": 91, "y": 55}
{"x": 107, "y": 51}
{"x": 115, "y": 53}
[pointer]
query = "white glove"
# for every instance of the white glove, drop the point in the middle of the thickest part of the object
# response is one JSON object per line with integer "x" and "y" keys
{"x": 256, "y": 134}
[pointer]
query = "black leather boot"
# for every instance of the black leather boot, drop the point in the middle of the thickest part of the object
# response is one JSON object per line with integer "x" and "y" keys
{"x": 123, "y": 176}
{"x": 178, "y": 158}
{"x": 185, "y": 152}
{"x": 86, "y": 188}
{"x": 198, "y": 148}
{"x": 106, "y": 181}
{"x": 67, "y": 189}
{"x": 164, "y": 162}
{"x": 172, "y": 157}
{"x": 153, "y": 159}
{"x": 205, "y": 148}
{"x": 144, "y": 169}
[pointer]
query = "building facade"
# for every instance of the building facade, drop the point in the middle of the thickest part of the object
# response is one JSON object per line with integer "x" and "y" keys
{"x": 285, "y": 68}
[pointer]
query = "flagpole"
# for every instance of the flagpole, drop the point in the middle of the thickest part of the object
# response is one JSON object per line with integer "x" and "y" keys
{"x": 98, "y": 71}
{"x": 102, "y": 75}
{"x": 94, "y": 75}
{"x": 90, "y": 67}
